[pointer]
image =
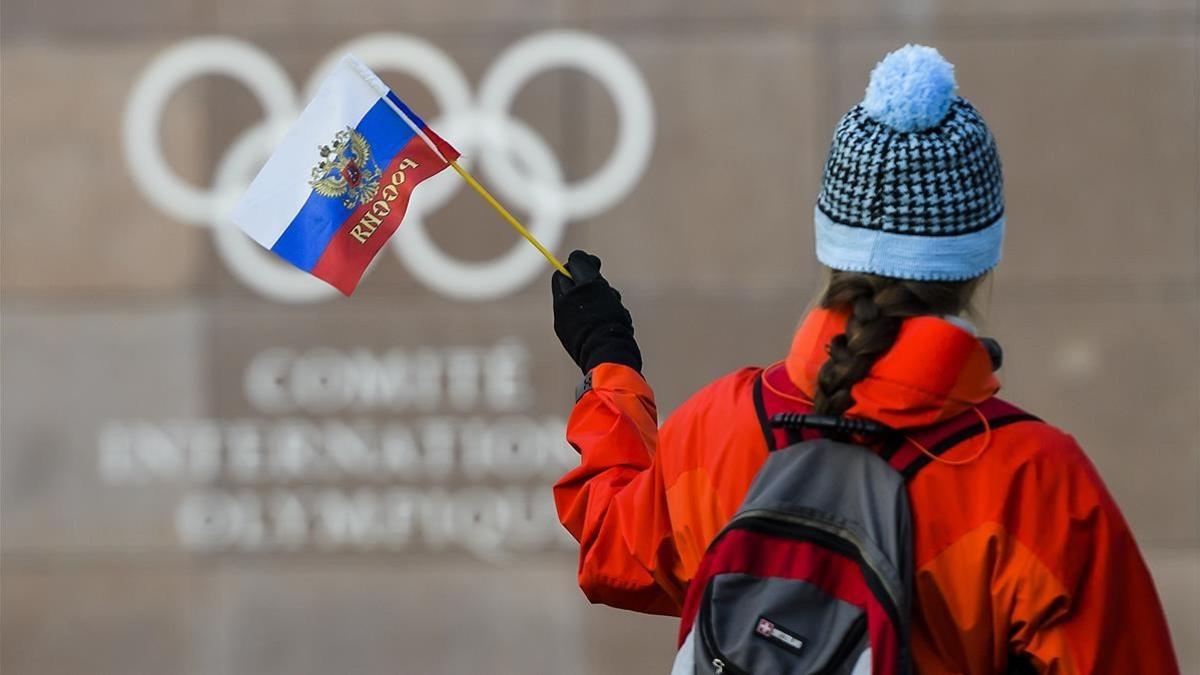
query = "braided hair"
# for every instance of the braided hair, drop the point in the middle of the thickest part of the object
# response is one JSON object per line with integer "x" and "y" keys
{"x": 877, "y": 306}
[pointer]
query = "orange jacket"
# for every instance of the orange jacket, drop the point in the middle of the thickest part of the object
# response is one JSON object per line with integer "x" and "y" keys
{"x": 1019, "y": 552}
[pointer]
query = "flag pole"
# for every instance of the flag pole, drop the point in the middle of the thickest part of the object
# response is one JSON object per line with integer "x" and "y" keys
{"x": 382, "y": 89}
{"x": 487, "y": 196}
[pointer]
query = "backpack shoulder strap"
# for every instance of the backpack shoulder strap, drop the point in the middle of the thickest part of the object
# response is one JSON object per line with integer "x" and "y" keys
{"x": 939, "y": 438}
{"x": 774, "y": 393}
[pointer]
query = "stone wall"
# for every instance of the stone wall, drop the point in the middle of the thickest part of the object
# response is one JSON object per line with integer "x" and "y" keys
{"x": 199, "y": 479}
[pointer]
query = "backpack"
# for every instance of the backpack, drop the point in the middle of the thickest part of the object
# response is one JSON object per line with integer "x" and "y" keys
{"x": 813, "y": 573}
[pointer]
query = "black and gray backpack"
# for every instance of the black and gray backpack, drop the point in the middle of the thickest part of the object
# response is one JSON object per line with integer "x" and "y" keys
{"x": 813, "y": 573}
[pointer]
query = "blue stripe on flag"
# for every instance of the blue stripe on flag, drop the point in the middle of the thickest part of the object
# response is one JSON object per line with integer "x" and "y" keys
{"x": 407, "y": 110}
{"x": 308, "y": 235}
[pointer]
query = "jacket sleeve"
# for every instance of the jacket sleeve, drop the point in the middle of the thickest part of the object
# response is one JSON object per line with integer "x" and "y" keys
{"x": 1084, "y": 601}
{"x": 614, "y": 503}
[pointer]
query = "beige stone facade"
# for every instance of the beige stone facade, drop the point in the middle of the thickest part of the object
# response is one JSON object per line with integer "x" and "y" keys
{"x": 200, "y": 480}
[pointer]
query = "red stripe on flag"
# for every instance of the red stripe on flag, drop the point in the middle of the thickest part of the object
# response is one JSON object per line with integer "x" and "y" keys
{"x": 445, "y": 148}
{"x": 364, "y": 233}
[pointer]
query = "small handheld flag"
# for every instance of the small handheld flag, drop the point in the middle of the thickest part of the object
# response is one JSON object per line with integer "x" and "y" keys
{"x": 339, "y": 183}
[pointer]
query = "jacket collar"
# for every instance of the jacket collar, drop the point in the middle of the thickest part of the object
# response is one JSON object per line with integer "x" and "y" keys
{"x": 934, "y": 371}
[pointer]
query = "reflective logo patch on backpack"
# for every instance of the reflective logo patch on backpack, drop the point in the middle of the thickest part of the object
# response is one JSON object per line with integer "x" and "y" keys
{"x": 784, "y": 638}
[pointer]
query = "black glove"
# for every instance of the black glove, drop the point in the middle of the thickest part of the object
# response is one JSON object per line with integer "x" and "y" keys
{"x": 589, "y": 319}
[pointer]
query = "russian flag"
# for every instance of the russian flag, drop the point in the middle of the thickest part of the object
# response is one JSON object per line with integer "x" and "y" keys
{"x": 339, "y": 183}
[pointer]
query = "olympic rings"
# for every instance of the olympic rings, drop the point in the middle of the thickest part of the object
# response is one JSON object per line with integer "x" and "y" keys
{"x": 611, "y": 68}
{"x": 521, "y": 263}
{"x": 171, "y": 70}
{"x": 516, "y": 162}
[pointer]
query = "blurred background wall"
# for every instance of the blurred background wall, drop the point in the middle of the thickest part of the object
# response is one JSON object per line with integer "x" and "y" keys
{"x": 198, "y": 477}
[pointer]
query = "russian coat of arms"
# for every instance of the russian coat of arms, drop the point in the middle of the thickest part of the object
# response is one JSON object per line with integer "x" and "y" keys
{"x": 346, "y": 168}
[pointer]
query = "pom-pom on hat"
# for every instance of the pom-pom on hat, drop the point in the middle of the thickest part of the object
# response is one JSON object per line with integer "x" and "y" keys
{"x": 910, "y": 89}
{"x": 912, "y": 186}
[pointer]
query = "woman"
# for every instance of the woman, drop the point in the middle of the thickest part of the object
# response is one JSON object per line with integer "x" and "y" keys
{"x": 1022, "y": 559}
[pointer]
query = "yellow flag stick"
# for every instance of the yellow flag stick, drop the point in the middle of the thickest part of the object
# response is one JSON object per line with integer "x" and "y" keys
{"x": 509, "y": 217}
{"x": 380, "y": 87}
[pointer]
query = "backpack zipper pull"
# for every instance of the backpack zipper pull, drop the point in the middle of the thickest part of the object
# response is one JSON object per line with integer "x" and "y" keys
{"x": 719, "y": 665}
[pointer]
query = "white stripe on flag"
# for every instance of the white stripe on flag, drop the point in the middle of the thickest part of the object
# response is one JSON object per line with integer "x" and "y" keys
{"x": 282, "y": 186}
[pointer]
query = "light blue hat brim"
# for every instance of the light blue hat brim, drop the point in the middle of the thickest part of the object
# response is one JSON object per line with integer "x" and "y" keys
{"x": 907, "y": 256}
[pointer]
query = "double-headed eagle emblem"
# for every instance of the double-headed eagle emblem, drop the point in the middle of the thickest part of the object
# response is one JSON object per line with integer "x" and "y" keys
{"x": 346, "y": 168}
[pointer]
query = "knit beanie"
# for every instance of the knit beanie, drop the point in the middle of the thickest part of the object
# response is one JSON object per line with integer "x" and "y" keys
{"x": 912, "y": 186}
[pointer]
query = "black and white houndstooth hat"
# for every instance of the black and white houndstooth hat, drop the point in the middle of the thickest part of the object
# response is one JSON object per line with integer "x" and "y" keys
{"x": 912, "y": 186}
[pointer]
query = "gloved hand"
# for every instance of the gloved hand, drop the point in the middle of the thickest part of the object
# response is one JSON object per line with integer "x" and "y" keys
{"x": 589, "y": 319}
